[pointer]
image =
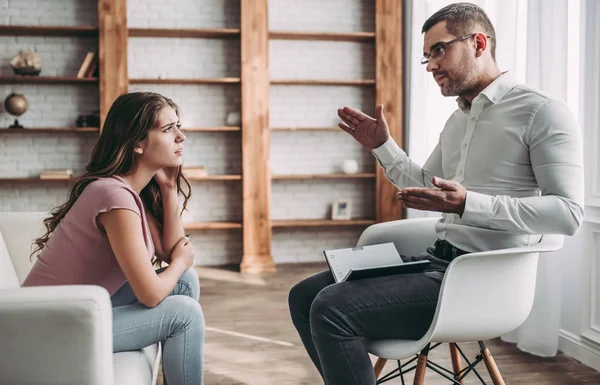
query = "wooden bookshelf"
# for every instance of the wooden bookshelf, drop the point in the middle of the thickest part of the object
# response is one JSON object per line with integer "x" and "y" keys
{"x": 321, "y": 223}
{"x": 212, "y": 129}
{"x": 13, "y": 79}
{"x": 186, "y": 81}
{"x": 49, "y": 130}
{"x": 28, "y": 30}
{"x": 213, "y": 177}
{"x": 112, "y": 33}
{"x": 306, "y": 128}
{"x": 322, "y": 82}
{"x": 220, "y": 33}
{"x": 196, "y": 226}
{"x": 324, "y": 176}
{"x": 33, "y": 180}
{"x": 326, "y": 36}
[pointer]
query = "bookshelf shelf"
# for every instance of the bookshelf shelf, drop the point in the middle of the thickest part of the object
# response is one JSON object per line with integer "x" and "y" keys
{"x": 191, "y": 226}
{"x": 321, "y": 223}
{"x": 186, "y": 81}
{"x": 322, "y": 82}
{"x": 49, "y": 130}
{"x": 30, "y": 30}
{"x": 326, "y": 36}
{"x": 213, "y": 177}
{"x": 45, "y": 79}
{"x": 324, "y": 176}
{"x": 306, "y": 129}
{"x": 212, "y": 129}
{"x": 222, "y": 33}
{"x": 34, "y": 180}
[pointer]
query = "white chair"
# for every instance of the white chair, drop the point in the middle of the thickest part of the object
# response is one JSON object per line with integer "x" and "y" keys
{"x": 483, "y": 296}
{"x": 54, "y": 335}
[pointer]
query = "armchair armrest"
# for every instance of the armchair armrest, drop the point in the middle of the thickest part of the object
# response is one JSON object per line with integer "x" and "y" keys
{"x": 56, "y": 335}
{"x": 410, "y": 236}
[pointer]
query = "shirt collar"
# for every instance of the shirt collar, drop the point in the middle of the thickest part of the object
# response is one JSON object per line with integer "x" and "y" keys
{"x": 494, "y": 92}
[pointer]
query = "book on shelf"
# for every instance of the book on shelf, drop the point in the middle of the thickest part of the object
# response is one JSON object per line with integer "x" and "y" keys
{"x": 88, "y": 66}
{"x": 56, "y": 174}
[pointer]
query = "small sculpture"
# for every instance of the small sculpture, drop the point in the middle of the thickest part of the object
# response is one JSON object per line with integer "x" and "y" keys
{"x": 26, "y": 63}
{"x": 16, "y": 105}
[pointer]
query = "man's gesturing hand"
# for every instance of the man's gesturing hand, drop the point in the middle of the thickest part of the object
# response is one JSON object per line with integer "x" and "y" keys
{"x": 449, "y": 197}
{"x": 367, "y": 131}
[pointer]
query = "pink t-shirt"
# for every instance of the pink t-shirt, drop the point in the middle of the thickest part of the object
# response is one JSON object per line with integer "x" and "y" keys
{"x": 78, "y": 252}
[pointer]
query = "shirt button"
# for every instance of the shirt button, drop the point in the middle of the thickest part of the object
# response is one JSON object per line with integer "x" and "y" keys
{"x": 464, "y": 145}
{"x": 473, "y": 119}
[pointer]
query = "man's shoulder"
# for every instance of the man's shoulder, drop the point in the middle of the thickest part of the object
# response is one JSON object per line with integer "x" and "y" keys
{"x": 532, "y": 94}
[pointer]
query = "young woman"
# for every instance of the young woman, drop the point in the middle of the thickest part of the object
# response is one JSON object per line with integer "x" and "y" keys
{"x": 120, "y": 214}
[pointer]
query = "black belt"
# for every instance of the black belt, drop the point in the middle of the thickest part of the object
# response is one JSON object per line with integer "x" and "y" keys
{"x": 445, "y": 250}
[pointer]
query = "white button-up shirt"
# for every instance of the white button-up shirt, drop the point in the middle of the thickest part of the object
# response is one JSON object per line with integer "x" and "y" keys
{"x": 518, "y": 153}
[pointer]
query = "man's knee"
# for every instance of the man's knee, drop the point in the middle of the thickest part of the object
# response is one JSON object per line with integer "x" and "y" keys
{"x": 300, "y": 298}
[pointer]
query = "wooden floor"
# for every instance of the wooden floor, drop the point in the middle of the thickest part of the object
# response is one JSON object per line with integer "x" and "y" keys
{"x": 250, "y": 339}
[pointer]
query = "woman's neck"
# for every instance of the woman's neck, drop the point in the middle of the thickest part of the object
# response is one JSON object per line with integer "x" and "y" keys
{"x": 139, "y": 179}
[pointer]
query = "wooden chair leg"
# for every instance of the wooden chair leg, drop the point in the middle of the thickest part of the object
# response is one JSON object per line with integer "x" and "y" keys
{"x": 491, "y": 366}
{"x": 420, "y": 371}
{"x": 379, "y": 367}
{"x": 456, "y": 362}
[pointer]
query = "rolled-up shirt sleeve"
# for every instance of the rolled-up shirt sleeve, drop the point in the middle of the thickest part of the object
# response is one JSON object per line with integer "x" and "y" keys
{"x": 556, "y": 154}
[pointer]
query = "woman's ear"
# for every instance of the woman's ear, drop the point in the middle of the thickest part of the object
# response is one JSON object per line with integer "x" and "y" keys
{"x": 141, "y": 147}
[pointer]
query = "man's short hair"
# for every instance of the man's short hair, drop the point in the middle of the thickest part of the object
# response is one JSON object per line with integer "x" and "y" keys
{"x": 461, "y": 19}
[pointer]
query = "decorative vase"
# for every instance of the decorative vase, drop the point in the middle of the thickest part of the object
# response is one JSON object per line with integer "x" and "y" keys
{"x": 350, "y": 166}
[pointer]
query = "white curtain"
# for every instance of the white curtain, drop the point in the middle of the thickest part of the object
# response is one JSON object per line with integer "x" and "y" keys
{"x": 538, "y": 42}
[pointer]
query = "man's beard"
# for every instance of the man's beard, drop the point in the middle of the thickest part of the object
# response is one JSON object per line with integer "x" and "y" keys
{"x": 462, "y": 82}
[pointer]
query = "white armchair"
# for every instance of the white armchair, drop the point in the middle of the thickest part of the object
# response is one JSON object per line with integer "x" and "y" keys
{"x": 483, "y": 296}
{"x": 58, "y": 334}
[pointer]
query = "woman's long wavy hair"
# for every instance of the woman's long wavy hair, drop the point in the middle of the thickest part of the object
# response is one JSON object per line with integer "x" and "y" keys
{"x": 127, "y": 124}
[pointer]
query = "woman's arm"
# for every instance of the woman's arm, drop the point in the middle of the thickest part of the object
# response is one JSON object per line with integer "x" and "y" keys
{"x": 172, "y": 227}
{"x": 124, "y": 231}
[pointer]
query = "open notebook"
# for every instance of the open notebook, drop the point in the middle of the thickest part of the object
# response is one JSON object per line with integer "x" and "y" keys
{"x": 368, "y": 262}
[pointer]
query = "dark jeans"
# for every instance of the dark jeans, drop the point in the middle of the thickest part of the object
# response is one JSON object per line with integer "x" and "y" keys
{"x": 335, "y": 320}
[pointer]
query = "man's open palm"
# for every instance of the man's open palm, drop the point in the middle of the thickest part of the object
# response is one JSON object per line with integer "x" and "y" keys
{"x": 369, "y": 132}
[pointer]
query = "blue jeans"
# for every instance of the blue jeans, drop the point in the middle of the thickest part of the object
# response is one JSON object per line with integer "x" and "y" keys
{"x": 177, "y": 322}
{"x": 334, "y": 320}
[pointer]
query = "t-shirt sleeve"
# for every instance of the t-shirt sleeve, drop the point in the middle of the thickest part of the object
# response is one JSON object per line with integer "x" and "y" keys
{"x": 114, "y": 197}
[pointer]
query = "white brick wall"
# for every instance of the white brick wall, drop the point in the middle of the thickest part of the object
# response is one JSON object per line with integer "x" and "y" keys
{"x": 200, "y": 105}
{"x": 183, "y": 58}
{"x": 50, "y": 105}
{"x": 208, "y": 105}
{"x": 219, "y": 201}
{"x": 61, "y": 56}
{"x": 183, "y": 13}
{"x": 311, "y": 152}
{"x": 299, "y": 59}
{"x": 49, "y": 12}
{"x": 316, "y": 106}
{"x": 304, "y": 200}
{"x": 27, "y": 155}
{"x": 307, "y": 245}
{"x": 322, "y": 15}
{"x": 217, "y": 247}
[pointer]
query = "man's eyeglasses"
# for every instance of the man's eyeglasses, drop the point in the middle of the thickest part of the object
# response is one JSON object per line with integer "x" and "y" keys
{"x": 437, "y": 52}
